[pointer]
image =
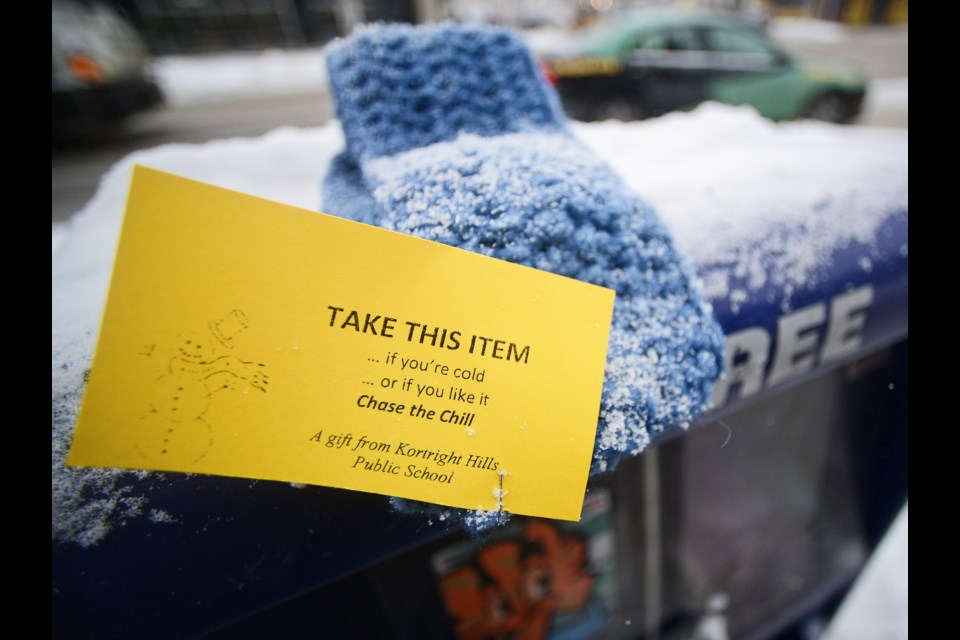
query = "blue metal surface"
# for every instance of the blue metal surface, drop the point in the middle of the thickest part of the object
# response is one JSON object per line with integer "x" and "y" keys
{"x": 240, "y": 546}
{"x": 861, "y": 286}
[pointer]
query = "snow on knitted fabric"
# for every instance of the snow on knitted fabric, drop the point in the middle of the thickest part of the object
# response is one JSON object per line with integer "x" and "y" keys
{"x": 490, "y": 166}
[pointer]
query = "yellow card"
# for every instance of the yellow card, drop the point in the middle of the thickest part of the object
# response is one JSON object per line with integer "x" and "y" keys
{"x": 248, "y": 338}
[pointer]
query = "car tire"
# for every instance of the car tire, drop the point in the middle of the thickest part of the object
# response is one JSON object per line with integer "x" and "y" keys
{"x": 620, "y": 109}
{"x": 830, "y": 107}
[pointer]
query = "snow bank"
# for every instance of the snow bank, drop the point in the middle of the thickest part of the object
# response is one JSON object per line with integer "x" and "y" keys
{"x": 232, "y": 76}
{"x": 877, "y": 604}
{"x": 781, "y": 28}
{"x": 888, "y": 94}
{"x": 729, "y": 184}
{"x": 735, "y": 188}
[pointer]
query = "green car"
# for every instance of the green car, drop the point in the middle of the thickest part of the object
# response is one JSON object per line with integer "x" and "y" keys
{"x": 648, "y": 64}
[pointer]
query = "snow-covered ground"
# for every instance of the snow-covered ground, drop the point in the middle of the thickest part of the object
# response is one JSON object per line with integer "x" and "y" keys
{"x": 888, "y": 94}
{"x": 744, "y": 168}
{"x": 796, "y": 29}
{"x": 231, "y": 76}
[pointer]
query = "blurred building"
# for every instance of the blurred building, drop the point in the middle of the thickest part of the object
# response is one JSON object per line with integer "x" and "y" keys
{"x": 533, "y": 13}
{"x": 193, "y": 26}
{"x": 856, "y": 12}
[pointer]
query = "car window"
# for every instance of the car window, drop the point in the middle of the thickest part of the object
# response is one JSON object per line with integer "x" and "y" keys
{"x": 740, "y": 48}
{"x": 678, "y": 48}
{"x": 670, "y": 40}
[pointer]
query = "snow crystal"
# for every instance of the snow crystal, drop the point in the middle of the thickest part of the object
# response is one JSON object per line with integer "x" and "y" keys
{"x": 479, "y": 520}
{"x": 86, "y": 503}
{"x": 737, "y": 298}
{"x": 161, "y": 516}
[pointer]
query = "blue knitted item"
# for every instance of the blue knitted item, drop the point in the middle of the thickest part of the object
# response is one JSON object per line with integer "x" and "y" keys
{"x": 453, "y": 136}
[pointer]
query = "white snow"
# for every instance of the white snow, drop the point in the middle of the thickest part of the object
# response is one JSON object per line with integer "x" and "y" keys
{"x": 59, "y": 234}
{"x": 887, "y": 94}
{"x": 736, "y": 188}
{"x": 223, "y": 77}
{"x": 548, "y": 40}
{"x": 877, "y": 605}
{"x": 798, "y": 29}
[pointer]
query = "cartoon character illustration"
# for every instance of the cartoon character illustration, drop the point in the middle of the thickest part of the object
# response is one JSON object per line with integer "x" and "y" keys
{"x": 514, "y": 588}
{"x": 196, "y": 373}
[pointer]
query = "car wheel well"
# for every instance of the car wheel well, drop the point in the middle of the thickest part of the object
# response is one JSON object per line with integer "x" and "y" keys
{"x": 832, "y": 106}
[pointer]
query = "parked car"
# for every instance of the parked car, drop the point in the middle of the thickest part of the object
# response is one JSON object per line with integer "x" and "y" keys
{"x": 651, "y": 63}
{"x": 100, "y": 67}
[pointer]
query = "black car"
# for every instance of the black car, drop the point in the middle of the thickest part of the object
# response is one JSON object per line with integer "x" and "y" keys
{"x": 100, "y": 68}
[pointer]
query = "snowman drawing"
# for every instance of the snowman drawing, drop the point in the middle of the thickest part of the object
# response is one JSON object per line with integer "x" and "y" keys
{"x": 200, "y": 369}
